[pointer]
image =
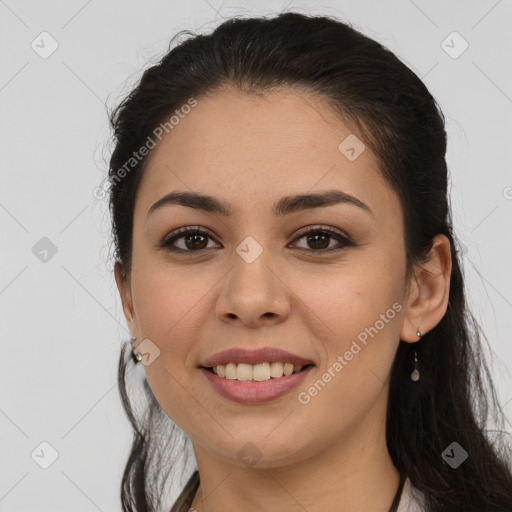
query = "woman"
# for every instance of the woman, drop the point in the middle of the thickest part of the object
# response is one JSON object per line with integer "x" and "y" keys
{"x": 288, "y": 269}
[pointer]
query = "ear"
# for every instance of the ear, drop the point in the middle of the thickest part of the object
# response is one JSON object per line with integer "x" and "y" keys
{"x": 429, "y": 290}
{"x": 123, "y": 285}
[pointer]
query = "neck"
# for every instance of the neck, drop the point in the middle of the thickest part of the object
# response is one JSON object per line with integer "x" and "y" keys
{"x": 355, "y": 473}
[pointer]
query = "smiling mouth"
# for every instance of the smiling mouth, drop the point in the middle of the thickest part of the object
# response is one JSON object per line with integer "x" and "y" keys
{"x": 243, "y": 372}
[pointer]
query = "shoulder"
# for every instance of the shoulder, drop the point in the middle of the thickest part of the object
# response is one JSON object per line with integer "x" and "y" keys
{"x": 412, "y": 499}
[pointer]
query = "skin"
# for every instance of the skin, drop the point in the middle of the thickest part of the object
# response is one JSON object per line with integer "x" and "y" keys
{"x": 250, "y": 151}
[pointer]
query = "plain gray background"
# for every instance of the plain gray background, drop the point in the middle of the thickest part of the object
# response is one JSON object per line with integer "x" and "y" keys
{"x": 62, "y": 321}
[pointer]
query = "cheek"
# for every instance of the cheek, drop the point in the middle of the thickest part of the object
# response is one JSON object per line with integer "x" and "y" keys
{"x": 353, "y": 299}
{"x": 359, "y": 309}
{"x": 363, "y": 317}
{"x": 169, "y": 310}
{"x": 165, "y": 298}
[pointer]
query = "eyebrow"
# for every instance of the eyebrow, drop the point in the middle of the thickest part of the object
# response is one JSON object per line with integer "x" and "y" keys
{"x": 284, "y": 206}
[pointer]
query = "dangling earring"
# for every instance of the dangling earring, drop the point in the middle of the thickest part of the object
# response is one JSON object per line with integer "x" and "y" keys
{"x": 136, "y": 356}
{"x": 415, "y": 374}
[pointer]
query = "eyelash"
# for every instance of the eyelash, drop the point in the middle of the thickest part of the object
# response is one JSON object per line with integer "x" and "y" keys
{"x": 167, "y": 242}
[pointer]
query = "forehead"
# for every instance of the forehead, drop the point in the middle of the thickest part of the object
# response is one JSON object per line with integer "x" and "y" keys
{"x": 252, "y": 150}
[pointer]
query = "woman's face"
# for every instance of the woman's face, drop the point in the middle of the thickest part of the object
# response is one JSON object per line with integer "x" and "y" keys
{"x": 258, "y": 280}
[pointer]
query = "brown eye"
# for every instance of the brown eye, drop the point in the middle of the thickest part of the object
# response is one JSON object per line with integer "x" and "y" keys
{"x": 191, "y": 240}
{"x": 195, "y": 241}
{"x": 319, "y": 239}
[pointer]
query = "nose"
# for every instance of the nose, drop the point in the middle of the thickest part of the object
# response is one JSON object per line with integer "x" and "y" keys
{"x": 254, "y": 294}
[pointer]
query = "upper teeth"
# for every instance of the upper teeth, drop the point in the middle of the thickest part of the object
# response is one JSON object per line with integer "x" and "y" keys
{"x": 259, "y": 372}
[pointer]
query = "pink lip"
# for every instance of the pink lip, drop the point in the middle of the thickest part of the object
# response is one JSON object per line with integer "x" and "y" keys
{"x": 258, "y": 356}
{"x": 254, "y": 392}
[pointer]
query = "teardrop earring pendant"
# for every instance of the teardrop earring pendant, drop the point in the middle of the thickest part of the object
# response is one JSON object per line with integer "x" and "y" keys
{"x": 415, "y": 374}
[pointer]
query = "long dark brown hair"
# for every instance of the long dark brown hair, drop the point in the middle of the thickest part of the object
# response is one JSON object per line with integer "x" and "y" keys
{"x": 394, "y": 113}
